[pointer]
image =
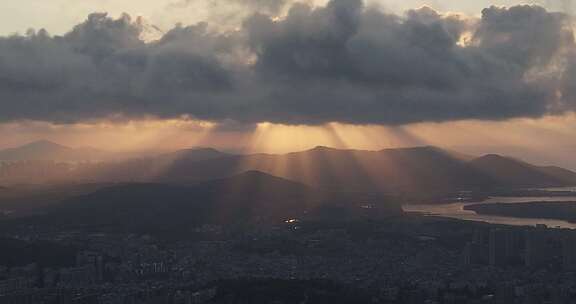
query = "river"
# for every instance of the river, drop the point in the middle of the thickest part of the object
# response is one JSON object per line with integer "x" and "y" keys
{"x": 456, "y": 210}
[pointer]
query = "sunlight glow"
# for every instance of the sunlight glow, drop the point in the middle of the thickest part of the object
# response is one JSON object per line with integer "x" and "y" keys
{"x": 545, "y": 137}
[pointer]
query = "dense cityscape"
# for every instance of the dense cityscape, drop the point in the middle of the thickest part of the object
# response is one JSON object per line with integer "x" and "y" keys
{"x": 402, "y": 260}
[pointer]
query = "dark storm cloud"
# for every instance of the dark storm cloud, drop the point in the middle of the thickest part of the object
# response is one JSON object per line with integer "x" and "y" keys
{"x": 102, "y": 68}
{"x": 343, "y": 62}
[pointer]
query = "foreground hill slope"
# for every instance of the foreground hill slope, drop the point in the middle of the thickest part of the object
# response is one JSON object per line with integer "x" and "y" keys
{"x": 247, "y": 198}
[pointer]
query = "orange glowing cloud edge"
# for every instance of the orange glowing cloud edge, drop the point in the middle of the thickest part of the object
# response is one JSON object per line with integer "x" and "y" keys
{"x": 150, "y": 133}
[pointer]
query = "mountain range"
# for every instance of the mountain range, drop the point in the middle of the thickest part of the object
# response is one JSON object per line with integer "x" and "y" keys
{"x": 179, "y": 191}
{"x": 409, "y": 170}
{"x": 426, "y": 170}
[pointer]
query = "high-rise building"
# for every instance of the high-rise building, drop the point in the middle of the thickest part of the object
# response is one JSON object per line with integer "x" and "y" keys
{"x": 535, "y": 248}
{"x": 474, "y": 254}
{"x": 478, "y": 236}
{"x": 569, "y": 251}
{"x": 512, "y": 245}
{"x": 476, "y": 251}
{"x": 497, "y": 247}
{"x": 94, "y": 260}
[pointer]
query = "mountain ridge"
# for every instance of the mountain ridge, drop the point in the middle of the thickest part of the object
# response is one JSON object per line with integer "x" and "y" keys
{"x": 518, "y": 173}
{"x": 389, "y": 170}
{"x": 48, "y": 150}
{"x": 426, "y": 169}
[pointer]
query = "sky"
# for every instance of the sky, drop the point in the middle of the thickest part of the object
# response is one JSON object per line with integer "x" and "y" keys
{"x": 282, "y": 75}
{"x": 59, "y": 16}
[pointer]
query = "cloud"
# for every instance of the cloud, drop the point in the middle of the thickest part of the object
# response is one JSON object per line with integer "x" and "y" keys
{"x": 342, "y": 62}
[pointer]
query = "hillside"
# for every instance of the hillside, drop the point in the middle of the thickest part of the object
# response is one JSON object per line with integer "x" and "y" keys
{"x": 23, "y": 200}
{"x": 343, "y": 170}
{"x": 411, "y": 170}
{"x": 249, "y": 197}
{"x": 510, "y": 172}
{"x": 47, "y": 150}
{"x": 191, "y": 155}
{"x": 418, "y": 171}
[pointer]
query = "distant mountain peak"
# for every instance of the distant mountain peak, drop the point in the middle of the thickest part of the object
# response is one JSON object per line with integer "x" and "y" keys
{"x": 205, "y": 149}
{"x": 254, "y": 174}
{"x": 48, "y": 150}
{"x": 43, "y": 143}
{"x": 323, "y": 148}
{"x": 492, "y": 157}
{"x": 258, "y": 177}
{"x": 418, "y": 148}
{"x": 193, "y": 154}
{"x": 326, "y": 149}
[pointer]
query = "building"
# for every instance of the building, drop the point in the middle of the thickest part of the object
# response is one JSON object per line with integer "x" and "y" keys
{"x": 475, "y": 253}
{"x": 569, "y": 251}
{"x": 93, "y": 260}
{"x": 497, "y": 247}
{"x": 535, "y": 251}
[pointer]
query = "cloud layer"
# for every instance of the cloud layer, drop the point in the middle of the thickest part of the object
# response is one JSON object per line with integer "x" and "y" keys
{"x": 343, "y": 62}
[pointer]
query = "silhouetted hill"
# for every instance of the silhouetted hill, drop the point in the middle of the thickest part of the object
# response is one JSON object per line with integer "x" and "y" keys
{"x": 35, "y": 150}
{"x": 248, "y": 197}
{"x": 422, "y": 172}
{"x": 47, "y": 150}
{"x": 23, "y": 200}
{"x": 191, "y": 155}
{"x": 146, "y": 169}
{"x": 256, "y": 184}
{"x": 423, "y": 169}
{"x": 409, "y": 170}
{"x": 563, "y": 175}
{"x": 515, "y": 173}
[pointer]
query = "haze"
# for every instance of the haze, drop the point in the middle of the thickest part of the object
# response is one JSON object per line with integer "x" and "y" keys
{"x": 287, "y": 151}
